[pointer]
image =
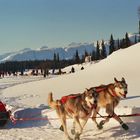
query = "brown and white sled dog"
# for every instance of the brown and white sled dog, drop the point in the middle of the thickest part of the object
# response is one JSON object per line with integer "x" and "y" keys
{"x": 108, "y": 98}
{"x": 77, "y": 106}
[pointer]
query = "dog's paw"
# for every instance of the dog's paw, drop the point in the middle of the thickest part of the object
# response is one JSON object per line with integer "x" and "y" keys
{"x": 72, "y": 131}
{"x": 68, "y": 138}
{"x": 77, "y": 137}
{"x": 125, "y": 127}
{"x": 100, "y": 125}
{"x": 61, "y": 128}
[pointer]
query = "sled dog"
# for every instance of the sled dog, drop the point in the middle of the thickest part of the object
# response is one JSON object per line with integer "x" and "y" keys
{"x": 77, "y": 106}
{"x": 108, "y": 98}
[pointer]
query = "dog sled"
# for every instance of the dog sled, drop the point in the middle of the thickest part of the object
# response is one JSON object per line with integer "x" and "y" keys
{"x": 4, "y": 115}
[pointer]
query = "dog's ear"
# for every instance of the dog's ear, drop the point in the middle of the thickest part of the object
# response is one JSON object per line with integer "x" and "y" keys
{"x": 123, "y": 80}
{"x": 115, "y": 79}
{"x": 86, "y": 91}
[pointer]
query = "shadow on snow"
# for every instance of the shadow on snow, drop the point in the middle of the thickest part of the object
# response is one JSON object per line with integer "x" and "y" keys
{"x": 32, "y": 117}
{"x": 115, "y": 132}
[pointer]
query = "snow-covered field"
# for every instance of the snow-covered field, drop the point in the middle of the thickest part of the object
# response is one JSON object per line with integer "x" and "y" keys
{"x": 29, "y": 100}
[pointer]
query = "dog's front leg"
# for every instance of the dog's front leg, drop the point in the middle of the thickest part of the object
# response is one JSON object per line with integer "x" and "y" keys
{"x": 83, "y": 122}
{"x": 95, "y": 112}
{"x": 78, "y": 131}
{"x": 73, "y": 128}
{"x": 110, "y": 112}
{"x": 124, "y": 126}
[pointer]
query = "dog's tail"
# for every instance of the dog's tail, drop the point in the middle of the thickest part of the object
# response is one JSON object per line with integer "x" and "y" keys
{"x": 53, "y": 104}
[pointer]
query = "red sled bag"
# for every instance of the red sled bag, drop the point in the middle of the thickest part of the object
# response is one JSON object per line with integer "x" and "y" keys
{"x": 4, "y": 115}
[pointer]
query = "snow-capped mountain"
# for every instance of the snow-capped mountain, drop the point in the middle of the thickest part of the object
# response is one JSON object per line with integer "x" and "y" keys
{"x": 68, "y": 52}
{"x": 4, "y": 55}
{"x": 44, "y": 52}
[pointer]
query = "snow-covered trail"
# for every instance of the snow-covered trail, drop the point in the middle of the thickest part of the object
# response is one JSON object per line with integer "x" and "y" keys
{"x": 42, "y": 130}
{"x": 31, "y": 98}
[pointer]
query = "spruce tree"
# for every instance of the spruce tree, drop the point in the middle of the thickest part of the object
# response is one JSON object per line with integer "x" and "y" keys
{"x": 127, "y": 40}
{"x": 54, "y": 61}
{"x": 86, "y": 53}
{"x": 83, "y": 58}
{"x": 103, "y": 50}
{"x": 54, "y": 57}
{"x": 118, "y": 44}
{"x": 135, "y": 39}
{"x": 77, "y": 58}
{"x": 122, "y": 43}
{"x": 97, "y": 51}
{"x": 93, "y": 55}
{"x": 57, "y": 58}
{"x": 111, "y": 46}
{"x": 58, "y": 61}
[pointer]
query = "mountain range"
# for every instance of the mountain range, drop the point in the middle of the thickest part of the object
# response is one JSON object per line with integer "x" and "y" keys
{"x": 44, "y": 52}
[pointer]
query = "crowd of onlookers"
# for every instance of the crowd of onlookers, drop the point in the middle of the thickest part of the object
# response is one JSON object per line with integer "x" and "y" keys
{"x": 3, "y": 74}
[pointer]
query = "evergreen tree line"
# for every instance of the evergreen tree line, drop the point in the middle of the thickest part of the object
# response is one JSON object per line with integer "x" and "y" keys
{"x": 99, "y": 53}
{"x": 13, "y": 67}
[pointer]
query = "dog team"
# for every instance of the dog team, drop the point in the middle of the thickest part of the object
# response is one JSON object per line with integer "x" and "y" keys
{"x": 80, "y": 107}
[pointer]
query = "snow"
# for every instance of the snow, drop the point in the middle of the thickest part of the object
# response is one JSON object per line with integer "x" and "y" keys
{"x": 29, "y": 99}
{"x": 43, "y": 48}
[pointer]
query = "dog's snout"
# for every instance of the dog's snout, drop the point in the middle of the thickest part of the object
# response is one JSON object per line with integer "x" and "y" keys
{"x": 125, "y": 92}
{"x": 95, "y": 101}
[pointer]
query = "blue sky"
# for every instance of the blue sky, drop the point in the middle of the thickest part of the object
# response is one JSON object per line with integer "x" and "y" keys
{"x": 57, "y": 23}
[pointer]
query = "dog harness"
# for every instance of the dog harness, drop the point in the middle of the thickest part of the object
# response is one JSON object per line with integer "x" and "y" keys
{"x": 65, "y": 98}
{"x": 104, "y": 87}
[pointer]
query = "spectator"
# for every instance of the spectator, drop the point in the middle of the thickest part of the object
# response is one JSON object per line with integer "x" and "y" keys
{"x": 82, "y": 68}
{"x": 72, "y": 70}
